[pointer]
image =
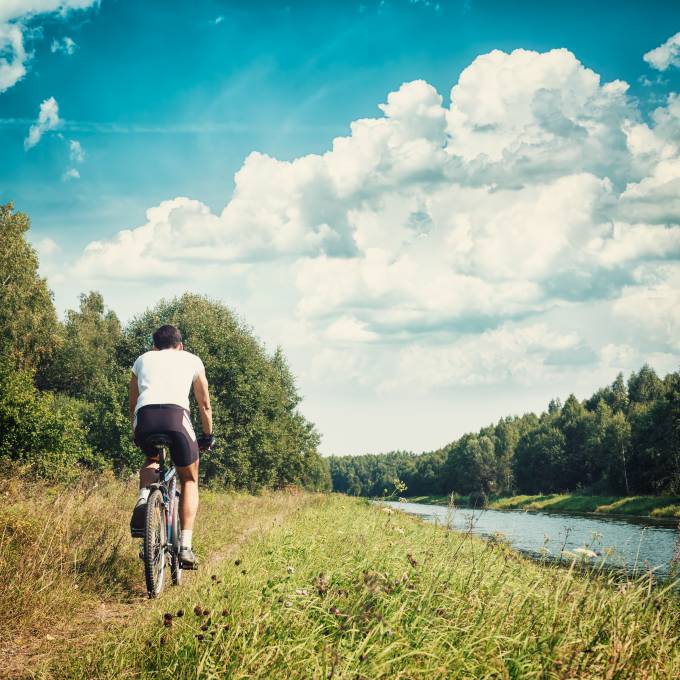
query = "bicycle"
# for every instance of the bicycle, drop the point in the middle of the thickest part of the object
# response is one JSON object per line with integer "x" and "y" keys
{"x": 162, "y": 528}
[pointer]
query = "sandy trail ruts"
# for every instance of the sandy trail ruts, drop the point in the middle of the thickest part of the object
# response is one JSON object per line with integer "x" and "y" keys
{"x": 31, "y": 657}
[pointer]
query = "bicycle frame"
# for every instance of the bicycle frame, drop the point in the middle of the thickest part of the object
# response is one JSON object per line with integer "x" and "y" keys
{"x": 168, "y": 485}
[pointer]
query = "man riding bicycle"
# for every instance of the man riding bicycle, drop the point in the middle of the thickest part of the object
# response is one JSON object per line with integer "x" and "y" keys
{"x": 159, "y": 404}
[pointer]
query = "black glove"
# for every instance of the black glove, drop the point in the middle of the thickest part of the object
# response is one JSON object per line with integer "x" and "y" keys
{"x": 206, "y": 442}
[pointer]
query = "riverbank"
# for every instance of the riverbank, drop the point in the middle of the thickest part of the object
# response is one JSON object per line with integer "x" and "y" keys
{"x": 347, "y": 589}
{"x": 638, "y": 506}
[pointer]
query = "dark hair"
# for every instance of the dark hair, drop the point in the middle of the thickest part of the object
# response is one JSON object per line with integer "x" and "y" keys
{"x": 166, "y": 337}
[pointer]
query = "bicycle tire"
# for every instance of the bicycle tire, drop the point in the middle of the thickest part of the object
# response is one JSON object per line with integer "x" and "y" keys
{"x": 155, "y": 540}
{"x": 175, "y": 567}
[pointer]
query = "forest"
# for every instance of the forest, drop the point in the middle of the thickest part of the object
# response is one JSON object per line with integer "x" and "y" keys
{"x": 624, "y": 439}
{"x": 64, "y": 384}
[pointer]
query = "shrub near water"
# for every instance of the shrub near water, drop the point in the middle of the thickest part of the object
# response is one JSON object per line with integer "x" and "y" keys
{"x": 346, "y": 590}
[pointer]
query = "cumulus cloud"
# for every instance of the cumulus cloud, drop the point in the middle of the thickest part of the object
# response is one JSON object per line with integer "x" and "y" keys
{"x": 13, "y": 17}
{"x": 664, "y": 56}
{"x": 510, "y": 353}
{"x": 48, "y": 119}
{"x": 66, "y": 45}
{"x": 440, "y": 231}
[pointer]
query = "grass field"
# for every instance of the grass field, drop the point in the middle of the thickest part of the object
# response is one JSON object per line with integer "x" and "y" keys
{"x": 344, "y": 589}
{"x": 69, "y": 569}
{"x": 639, "y": 506}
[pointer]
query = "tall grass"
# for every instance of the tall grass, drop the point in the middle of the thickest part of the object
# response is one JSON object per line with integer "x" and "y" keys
{"x": 66, "y": 552}
{"x": 347, "y": 590}
{"x": 60, "y": 547}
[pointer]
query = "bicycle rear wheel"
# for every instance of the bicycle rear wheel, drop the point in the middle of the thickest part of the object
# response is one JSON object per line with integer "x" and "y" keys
{"x": 175, "y": 568}
{"x": 155, "y": 543}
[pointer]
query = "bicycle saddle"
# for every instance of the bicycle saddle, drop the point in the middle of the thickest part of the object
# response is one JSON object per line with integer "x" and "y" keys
{"x": 157, "y": 439}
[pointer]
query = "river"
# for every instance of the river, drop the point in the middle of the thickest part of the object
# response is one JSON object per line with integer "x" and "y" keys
{"x": 630, "y": 543}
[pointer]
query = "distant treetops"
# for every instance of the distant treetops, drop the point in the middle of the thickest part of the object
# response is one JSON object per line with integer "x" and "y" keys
{"x": 624, "y": 439}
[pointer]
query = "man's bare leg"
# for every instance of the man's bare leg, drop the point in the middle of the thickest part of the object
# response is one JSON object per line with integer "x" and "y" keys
{"x": 188, "y": 504}
{"x": 148, "y": 474}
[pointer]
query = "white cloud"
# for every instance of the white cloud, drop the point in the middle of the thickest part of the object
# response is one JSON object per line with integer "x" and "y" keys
{"x": 47, "y": 247}
{"x": 69, "y": 174}
{"x": 519, "y": 354}
{"x": 218, "y": 20}
{"x": 12, "y": 55}
{"x": 439, "y": 232}
{"x": 66, "y": 45}
{"x": 76, "y": 151}
{"x": 666, "y": 55}
{"x": 348, "y": 329}
{"x": 652, "y": 308}
{"x": 13, "y": 15}
{"x": 48, "y": 119}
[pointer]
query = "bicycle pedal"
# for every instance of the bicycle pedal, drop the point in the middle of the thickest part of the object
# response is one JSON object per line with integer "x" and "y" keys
{"x": 188, "y": 567}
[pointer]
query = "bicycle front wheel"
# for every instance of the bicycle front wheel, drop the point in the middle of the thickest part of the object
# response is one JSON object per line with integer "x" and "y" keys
{"x": 155, "y": 544}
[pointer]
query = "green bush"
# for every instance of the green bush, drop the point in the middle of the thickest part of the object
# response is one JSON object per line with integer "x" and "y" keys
{"x": 39, "y": 429}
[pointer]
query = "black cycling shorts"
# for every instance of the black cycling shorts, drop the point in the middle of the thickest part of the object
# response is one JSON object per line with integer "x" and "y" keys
{"x": 173, "y": 421}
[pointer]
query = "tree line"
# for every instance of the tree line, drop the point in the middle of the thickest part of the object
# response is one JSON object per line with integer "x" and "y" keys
{"x": 624, "y": 439}
{"x": 63, "y": 383}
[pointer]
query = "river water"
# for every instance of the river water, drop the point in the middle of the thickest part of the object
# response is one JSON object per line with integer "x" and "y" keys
{"x": 630, "y": 543}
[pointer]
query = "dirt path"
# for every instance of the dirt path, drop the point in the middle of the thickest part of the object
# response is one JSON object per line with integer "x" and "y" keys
{"x": 32, "y": 657}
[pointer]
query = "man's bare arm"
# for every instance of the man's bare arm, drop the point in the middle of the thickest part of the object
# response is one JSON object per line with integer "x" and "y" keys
{"x": 203, "y": 400}
{"x": 134, "y": 395}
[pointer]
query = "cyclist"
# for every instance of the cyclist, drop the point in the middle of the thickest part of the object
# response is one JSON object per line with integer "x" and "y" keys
{"x": 159, "y": 403}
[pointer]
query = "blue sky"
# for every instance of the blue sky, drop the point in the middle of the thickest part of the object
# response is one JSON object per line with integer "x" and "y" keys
{"x": 385, "y": 334}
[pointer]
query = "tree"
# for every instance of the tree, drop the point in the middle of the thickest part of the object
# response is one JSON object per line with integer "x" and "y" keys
{"x": 88, "y": 353}
{"x": 39, "y": 429}
{"x": 28, "y": 321}
{"x": 539, "y": 462}
{"x": 645, "y": 386}
{"x": 263, "y": 440}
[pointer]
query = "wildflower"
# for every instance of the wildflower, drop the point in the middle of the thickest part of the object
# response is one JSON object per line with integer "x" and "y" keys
{"x": 288, "y": 603}
{"x": 411, "y": 560}
{"x": 206, "y": 612}
{"x": 237, "y": 562}
{"x": 213, "y": 577}
{"x": 180, "y": 613}
{"x": 200, "y": 638}
{"x": 301, "y": 591}
{"x": 225, "y": 612}
{"x": 335, "y": 611}
{"x": 205, "y": 627}
{"x": 321, "y": 584}
{"x": 290, "y": 570}
{"x": 198, "y": 610}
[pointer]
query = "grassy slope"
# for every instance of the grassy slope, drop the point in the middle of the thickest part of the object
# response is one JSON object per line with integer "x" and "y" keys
{"x": 640, "y": 506}
{"x": 344, "y": 589}
{"x": 68, "y": 565}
